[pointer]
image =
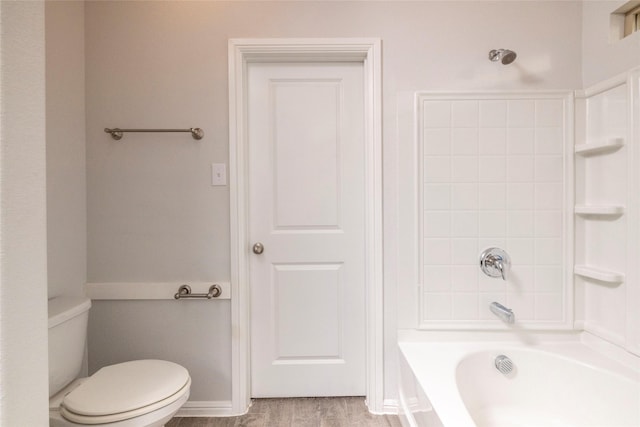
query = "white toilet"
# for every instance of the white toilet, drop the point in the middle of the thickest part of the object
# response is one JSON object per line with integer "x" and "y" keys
{"x": 131, "y": 394}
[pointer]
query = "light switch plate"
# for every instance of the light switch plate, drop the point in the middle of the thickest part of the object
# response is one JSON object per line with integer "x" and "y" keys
{"x": 218, "y": 174}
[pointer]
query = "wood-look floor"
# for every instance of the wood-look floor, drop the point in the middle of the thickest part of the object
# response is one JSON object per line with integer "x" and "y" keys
{"x": 298, "y": 412}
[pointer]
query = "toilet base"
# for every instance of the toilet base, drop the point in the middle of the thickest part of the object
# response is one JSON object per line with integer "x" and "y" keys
{"x": 157, "y": 418}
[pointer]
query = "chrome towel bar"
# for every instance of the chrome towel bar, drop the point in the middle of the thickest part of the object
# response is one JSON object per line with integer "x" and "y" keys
{"x": 117, "y": 133}
{"x": 184, "y": 292}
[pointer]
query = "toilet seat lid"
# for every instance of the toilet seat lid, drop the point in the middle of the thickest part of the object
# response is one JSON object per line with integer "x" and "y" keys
{"x": 126, "y": 387}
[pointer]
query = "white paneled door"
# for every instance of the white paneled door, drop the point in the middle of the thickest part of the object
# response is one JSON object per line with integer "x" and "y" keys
{"x": 307, "y": 218}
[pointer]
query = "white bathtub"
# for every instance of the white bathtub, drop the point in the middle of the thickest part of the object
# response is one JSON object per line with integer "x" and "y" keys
{"x": 456, "y": 384}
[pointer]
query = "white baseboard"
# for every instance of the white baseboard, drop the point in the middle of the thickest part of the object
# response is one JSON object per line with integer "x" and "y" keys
{"x": 391, "y": 406}
{"x": 213, "y": 408}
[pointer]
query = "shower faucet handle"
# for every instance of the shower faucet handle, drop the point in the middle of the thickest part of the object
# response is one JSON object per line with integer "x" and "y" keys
{"x": 494, "y": 262}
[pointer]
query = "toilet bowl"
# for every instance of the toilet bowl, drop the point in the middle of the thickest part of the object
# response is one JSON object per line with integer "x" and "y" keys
{"x": 139, "y": 393}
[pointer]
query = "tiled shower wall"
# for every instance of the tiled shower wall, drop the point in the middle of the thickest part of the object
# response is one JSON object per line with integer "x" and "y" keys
{"x": 493, "y": 174}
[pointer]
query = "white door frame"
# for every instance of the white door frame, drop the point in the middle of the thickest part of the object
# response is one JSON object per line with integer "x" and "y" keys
{"x": 242, "y": 52}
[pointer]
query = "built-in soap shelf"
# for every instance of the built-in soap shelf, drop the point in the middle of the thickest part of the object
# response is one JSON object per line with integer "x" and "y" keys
{"x": 605, "y": 210}
{"x": 600, "y": 274}
{"x": 603, "y": 147}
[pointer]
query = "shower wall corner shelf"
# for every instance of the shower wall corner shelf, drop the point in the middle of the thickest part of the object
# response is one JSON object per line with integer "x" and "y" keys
{"x": 610, "y": 210}
{"x": 117, "y": 134}
{"x": 607, "y": 146}
{"x": 600, "y": 274}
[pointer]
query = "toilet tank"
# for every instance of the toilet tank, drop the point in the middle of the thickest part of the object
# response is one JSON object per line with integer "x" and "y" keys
{"x": 68, "y": 316}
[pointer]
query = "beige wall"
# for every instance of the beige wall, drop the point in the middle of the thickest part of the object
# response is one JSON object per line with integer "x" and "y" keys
{"x": 603, "y": 58}
{"x": 152, "y": 213}
{"x": 23, "y": 262}
{"x": 66, "y": 164}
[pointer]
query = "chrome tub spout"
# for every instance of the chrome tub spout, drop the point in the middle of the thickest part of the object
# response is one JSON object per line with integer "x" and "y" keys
{"x": 505, "y": 314}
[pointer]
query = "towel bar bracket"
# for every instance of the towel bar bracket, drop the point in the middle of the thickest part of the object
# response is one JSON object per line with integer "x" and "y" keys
{"x": 184, "y": 292}
{"x": 117, "y": 134}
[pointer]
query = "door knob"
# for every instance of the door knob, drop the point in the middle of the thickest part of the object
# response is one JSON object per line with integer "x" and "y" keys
{"x": 258, "y": 248}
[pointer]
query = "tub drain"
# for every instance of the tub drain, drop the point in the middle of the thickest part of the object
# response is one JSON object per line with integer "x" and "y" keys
{"x": 504, "y": 364}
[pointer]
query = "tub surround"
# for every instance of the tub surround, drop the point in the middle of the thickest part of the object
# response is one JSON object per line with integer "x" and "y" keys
{"x": 607, "y": 210}
{"x": 591, "y": 351}
{"x": 495, "y": 170}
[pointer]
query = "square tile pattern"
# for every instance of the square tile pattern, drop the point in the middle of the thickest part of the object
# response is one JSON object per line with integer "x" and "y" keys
{"x": 493, "y": 175}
